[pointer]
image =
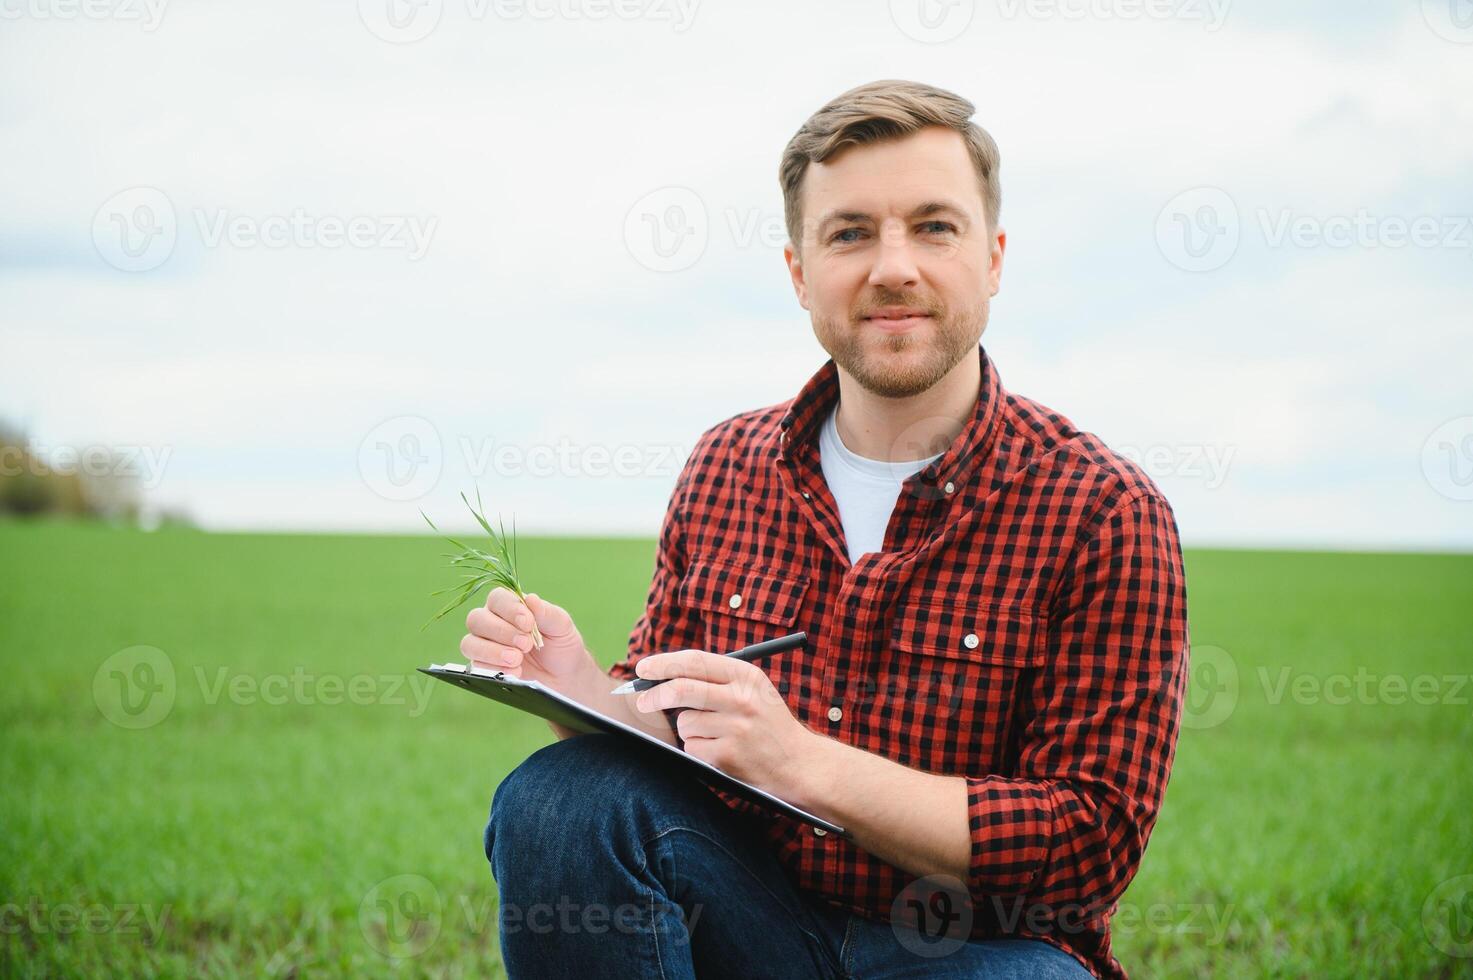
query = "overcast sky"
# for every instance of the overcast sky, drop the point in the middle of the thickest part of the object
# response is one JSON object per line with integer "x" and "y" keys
{"x": 320, "y": 265}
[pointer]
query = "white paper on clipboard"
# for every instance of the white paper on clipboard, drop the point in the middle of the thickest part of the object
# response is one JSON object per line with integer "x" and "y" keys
{"x": 538, "y": 699}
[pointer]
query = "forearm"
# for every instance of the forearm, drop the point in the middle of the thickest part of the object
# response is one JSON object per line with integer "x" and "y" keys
{"x": 593, "y": 688}
{"x": 914, "y": 820}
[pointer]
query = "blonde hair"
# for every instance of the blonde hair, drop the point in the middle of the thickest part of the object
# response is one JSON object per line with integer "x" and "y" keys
{"x": 877, "y": 111}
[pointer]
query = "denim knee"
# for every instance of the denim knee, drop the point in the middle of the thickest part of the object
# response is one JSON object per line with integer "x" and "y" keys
{"x": 575, "y": 789}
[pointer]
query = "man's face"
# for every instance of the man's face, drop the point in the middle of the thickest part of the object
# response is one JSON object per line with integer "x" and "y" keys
{"x": 870, "y": 243}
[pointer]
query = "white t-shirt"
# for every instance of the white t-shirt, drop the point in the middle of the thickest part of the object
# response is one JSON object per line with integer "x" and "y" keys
{"x": 865, "y": 489}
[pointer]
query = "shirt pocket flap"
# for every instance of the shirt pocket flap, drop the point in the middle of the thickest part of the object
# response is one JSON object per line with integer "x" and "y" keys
{"x": 747, "y": 593}
{"x": 973, "y": 631}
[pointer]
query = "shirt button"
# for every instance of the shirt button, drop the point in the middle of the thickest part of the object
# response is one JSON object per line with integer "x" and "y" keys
{"x": 835, "y": 713}
{"x": 971, "y": 641}
{"x": 950, "y": 487}
{"x": 735, "y": 600}
{"x": 805, "y": 495}
{"x": 819, "y": 832}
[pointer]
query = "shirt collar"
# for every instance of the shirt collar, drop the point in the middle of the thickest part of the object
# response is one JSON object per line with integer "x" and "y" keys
{"x": 799, "y": 426}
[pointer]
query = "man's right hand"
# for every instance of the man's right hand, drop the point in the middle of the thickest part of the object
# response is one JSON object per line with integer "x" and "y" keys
{"x": 500, "y": 638}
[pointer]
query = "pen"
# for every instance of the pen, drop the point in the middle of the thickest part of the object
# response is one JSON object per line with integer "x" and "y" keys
{"x": 756, "y": 651}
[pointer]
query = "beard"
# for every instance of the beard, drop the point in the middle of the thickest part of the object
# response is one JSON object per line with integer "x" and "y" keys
{"x": 904, "y": 364}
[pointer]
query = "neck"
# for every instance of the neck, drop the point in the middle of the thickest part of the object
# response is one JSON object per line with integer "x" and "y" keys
{"x": 901, "y": 429}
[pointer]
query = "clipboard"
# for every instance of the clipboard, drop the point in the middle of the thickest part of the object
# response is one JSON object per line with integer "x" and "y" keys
{"x": 538, "y": 699}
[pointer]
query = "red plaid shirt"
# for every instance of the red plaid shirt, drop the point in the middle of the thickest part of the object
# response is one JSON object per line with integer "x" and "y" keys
{"x": 1024, "y": 627}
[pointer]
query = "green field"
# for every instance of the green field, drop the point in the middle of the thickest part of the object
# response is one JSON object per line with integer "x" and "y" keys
{"x": 296, "y": 801}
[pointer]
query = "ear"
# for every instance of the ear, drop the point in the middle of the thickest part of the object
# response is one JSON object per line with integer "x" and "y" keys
{"x": 996, "y": 249}
{"x": 795, "y": 271}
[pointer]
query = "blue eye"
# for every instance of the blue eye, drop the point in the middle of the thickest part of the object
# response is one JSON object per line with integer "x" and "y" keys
{"x": 941, "y": 227}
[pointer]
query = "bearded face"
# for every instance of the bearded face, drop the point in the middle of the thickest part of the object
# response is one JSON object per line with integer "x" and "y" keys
{"x": 899, "y": 260}
{"x": 898, "y": 358}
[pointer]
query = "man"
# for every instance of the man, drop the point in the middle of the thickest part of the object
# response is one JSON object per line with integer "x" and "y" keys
{"x": 995, "y": 607}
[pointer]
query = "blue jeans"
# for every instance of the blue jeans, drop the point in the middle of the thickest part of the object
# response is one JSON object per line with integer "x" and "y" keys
{"x": 610, "y": 864}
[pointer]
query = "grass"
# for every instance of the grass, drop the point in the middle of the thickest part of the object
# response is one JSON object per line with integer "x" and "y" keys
{"x": 304, "y": 807}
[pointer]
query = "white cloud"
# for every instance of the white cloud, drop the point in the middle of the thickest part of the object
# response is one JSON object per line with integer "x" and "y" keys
{"x": 529, "y": 320}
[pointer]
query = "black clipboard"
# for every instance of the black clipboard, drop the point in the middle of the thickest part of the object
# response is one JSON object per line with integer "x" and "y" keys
{"x": 542, "y": 701}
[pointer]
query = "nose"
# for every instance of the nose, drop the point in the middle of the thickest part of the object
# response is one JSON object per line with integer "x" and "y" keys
{"x": 895, "y": 267}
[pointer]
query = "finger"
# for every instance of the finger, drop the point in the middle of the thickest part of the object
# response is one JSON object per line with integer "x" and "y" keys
{"x": 552, "y": 620}
{"x": 684, "y": 692}
{"x": 713, "y": 668}
{"x": 504, "y": 603}
{"x": 489, "y": 626}
{"x": 694, "y": 723}
{"x": 484, "y": 653}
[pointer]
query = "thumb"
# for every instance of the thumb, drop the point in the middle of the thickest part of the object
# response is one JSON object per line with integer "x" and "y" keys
{"x": 552, "y": 620}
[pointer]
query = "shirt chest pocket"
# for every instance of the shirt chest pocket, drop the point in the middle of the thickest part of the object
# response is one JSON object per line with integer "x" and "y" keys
{"x": 951, "y": 677}
{"x": 740, "y": 606}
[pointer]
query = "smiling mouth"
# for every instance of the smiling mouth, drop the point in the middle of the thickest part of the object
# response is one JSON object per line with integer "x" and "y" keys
{"x": 897, "y": 324}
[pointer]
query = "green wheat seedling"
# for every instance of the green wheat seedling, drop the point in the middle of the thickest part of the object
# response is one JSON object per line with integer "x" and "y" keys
{"x": 483, "y": 568}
